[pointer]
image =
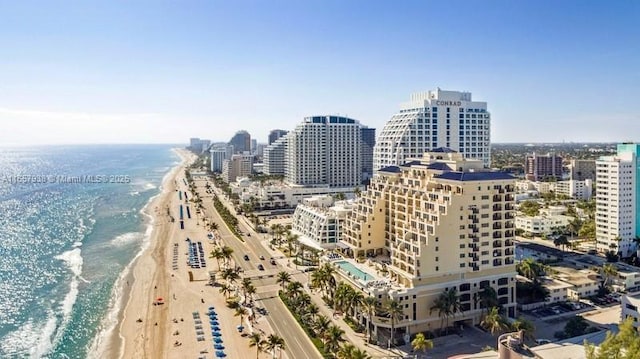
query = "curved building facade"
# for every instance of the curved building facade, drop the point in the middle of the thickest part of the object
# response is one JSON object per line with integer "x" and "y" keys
{"x": 431, "y": 120}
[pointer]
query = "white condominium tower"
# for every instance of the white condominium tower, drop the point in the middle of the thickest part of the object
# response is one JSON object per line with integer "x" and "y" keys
{"x": 435, "y": 119}
{"x": 324, "y": 151}
{"x": 617, "y": 201}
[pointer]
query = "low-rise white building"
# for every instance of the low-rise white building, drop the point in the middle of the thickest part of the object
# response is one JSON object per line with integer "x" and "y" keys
{"x": 629, "y": 304}
{"x": 279, "y": 194}
{"x": 318, "y": 221}
{"x": 584, "y": 282}
{"x": 542, "y": 224}
{"x": 575, "y": 189}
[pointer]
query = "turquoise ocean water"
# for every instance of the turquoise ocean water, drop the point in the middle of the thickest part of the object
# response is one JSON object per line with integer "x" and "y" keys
{"x": 64, "y": 246}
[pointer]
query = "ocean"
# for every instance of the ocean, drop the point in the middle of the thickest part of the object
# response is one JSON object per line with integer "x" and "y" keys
{"x": 71, "y": 222}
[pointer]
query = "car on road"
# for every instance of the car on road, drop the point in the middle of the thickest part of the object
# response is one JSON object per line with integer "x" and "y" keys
{"x": 260, "y": 267}
{"x": 246, "y": 257}
{"x": 261, "y": 257}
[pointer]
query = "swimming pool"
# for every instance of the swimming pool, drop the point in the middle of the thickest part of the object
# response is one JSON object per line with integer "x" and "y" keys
{"x": 350, "y": 269}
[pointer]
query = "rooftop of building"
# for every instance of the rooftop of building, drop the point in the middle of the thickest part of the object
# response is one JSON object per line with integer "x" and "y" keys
{"x": 542, "y": 249}
{"x": 475, "y": 176}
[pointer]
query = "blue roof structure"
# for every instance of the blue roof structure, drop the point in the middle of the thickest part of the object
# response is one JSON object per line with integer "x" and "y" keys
{"x": 442, "y": 150}
{"x": 439, "y": 166}
{"x": 411, "y": 163}
{"x": 475, "y": 176}
{"x": 392, "y": 169}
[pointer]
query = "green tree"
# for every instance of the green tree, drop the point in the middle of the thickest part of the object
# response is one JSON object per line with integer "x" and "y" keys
{"x": 241, "y": 312}
{"x": 575, "y": 326}
{"x": 274, "y": 343}
{"x": 283, "y": 278}
{"x": 255, "y": 340}
{"x": 493, "y": 321}
{"x": 608, "y": 271}
{"x": 623, "y": 345}
{"x": 526, "y": 326}
{"x": 420, "y": 343}
{"x": 530, "y": 208}
{"x": 394, "y": 310}
{"x": 333, "y": 338}
{"x": 561, "y": 240}
{"x": 370, "y": 304}
{"x": 530, "y": 268}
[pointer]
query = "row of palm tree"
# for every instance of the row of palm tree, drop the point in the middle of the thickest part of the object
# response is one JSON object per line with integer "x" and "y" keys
{"x": 319, "y": 326}
{"x": 448, "y": 305}
{"x": 273, "y": 343}
{"x": 323, "y": 280}
{"x": 223, "y": 253}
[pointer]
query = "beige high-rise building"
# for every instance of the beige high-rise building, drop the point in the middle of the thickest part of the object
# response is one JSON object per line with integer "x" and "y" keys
{"x": 436, "y": 223}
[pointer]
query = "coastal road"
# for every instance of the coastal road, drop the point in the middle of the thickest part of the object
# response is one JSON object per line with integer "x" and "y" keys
{"x": 298, "y": 344}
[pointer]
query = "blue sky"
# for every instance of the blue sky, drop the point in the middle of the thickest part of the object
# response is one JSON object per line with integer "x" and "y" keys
{"x": 163, "y": 71}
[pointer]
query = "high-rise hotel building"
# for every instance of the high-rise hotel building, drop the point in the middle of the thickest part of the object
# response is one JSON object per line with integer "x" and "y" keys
{"x": 439, "y": 222}
{"x": 435, "y": 119}
{"x": 324, "y": 151}
{"x": 617, "y": 200}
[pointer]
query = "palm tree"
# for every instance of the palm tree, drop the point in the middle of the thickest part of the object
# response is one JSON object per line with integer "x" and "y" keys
{"x": 255, "y": 340}
{"x": 420, "y": 343}
{"x": 526, "y": 326}
{"x": 274, "y": 343}
{"x": 333, "y": 337}
{"x": 447, "y": 304}
{"x": 529, "y": 268}
{"x": 249, "y": 292}
{"x": 349, "y": 351}
{"x": 608, "y": 271}
{"x": 370, "y": 304}
{"x": 488, "y": 298}
{"x": 394, "y": 310}
{"x": 312, "y": 311}
{"x": 321, "y": 325}
{"x": 283, "y": 278}
{"x": 294, "y": 289}
{"x": 230, "y": 275}
{"x": 225, "y": 290}
{"x": 291, "y": 239}
{"x": 561, "y": 240}
{"x": 493, "y": 321}
{"x": 226, "y": 253}
{"x": 217, "y": 255}
{"x": 241, "y": 312}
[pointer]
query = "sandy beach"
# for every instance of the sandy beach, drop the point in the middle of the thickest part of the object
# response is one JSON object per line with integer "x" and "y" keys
{"x": 169, "y": 330}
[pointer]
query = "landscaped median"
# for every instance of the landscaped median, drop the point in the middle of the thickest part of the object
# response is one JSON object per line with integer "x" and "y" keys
{"x": 305, "y": 326}
{"x": 229, "y": 219}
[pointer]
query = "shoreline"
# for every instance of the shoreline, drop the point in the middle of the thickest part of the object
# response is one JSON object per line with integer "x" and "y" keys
{"x": 112, "y": 342}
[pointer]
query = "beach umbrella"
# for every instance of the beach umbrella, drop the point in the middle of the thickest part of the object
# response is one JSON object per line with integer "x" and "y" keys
{"x": 220, "y": 354}
{"x": 217, "y": 340}
{"x": 219, "y": 346}
{"x": 212, "y": 308}
{"x": 215, "y": 328}
{"x": 214, "y": 322}
{"x": 216, "y": 334}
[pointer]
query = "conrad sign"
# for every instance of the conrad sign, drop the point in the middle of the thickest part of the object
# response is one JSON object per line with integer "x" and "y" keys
{"x": 448, "y": 103}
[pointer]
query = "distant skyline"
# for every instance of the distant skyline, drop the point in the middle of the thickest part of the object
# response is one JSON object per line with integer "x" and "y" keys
{"x": 163, "y": 71}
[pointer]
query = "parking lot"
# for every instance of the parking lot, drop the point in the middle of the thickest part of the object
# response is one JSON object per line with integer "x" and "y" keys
{"x": 560, "y": 308}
